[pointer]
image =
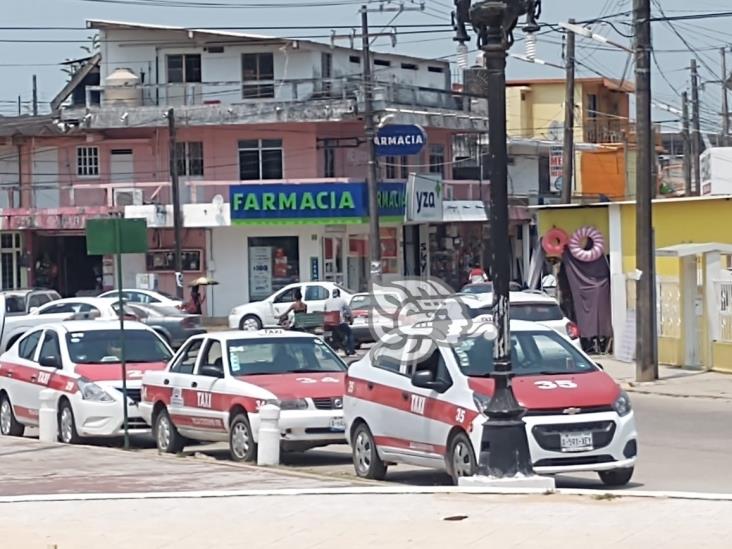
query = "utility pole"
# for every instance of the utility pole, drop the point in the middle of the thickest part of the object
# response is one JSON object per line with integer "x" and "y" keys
{"x": 568, "y": 153}
{"x": 725, "y": 99}
{"x": 372, "y": 175}
{"x": 686, "y": 138}
{"x": 695, "y": 129}
{"x": 177, "y": 221}
{"x": 646, "y": 334}
{"x": 35, "y": 95}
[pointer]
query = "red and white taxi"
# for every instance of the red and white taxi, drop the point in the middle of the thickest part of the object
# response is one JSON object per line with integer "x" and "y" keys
{"x": 430, "y": 413}
{"x": 80, "y": 360}
{"x": 214, "y": 387}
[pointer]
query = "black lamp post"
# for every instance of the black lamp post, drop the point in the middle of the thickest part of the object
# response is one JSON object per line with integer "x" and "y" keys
{"x": 505, "y": 450}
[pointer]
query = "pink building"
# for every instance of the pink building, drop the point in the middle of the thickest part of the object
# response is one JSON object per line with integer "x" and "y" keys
{"x": 251, "y": 112}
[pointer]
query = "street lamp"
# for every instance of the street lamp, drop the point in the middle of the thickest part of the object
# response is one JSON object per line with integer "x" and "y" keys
{"x": 505, "y": 446}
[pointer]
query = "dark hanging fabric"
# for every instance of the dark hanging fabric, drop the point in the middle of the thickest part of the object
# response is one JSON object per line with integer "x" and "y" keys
{"x": 590, "y": 287}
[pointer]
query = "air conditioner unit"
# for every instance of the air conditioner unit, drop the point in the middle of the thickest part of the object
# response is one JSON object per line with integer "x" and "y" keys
{"x": 127, "y": 197}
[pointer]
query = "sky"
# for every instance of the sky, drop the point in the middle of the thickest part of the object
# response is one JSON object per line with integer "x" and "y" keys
{"x": 33, "y": 51}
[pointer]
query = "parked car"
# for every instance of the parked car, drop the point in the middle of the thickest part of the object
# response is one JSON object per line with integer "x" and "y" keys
{"x": 362, "y": 306}
{"x": 429, "y": 411}
{"x": 172, "y": 324}
{"x": 214, "y": 387}
{"x": 80, "y": 360}
{"x": 55, "y": 311}
{"x": 20, "y": 302}
{"x": 145, "y": 297}
{"x": 265, "y": 313}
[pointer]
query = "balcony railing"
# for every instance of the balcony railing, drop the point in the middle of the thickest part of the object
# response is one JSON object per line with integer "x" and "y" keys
{"x": 606, "y": 129}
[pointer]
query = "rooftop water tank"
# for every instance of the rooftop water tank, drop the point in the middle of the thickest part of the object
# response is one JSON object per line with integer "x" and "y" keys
{"x": 122, "y": 88}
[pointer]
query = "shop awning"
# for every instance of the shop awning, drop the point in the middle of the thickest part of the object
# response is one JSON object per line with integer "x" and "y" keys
{"x": 463, "y": 211}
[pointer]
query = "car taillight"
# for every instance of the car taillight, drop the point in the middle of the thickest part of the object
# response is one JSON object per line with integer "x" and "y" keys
{"x": 572, "y": 330}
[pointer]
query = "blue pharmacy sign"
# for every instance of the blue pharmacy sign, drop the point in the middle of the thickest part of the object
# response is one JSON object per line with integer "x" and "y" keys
{"x": 399, "y": 140}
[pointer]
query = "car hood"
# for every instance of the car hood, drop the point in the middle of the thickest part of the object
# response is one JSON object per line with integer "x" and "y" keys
{"x": 113, "y": 371}
{"x": 291, "y": 386}
{"x": 546, "y": 392}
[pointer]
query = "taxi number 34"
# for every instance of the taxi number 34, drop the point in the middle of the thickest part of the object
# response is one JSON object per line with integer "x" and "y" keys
{"x": 558, "y": 384}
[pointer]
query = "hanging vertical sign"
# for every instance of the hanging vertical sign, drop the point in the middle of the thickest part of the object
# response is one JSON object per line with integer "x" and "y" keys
{"x": 556, "y": 168}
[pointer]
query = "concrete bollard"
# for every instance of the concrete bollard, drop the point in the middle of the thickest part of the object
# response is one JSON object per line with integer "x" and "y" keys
{"x": 48, "y": 416}
{"x": 268, "y": 452}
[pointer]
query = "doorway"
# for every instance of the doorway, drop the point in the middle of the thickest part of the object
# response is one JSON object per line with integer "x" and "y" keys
{"x": 333, "y": 259}
{"x": 61, "y": 263}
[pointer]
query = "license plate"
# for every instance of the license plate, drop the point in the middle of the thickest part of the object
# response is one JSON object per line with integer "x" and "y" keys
{"x": 337, "y": 424}
{"x": 575, "y": 442}
{"x": 359, "y": 321}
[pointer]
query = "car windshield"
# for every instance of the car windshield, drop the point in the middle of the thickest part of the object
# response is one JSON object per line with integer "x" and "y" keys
{"x": 281, "y": 356}
{"x": 14, "y": 303}
{"x": 486, "y": 288}
{"x": 532, "y": 353}
{"x": 103, "y": 346}
{"x": 367, "y": 301}
{"x": 536, "y": 312}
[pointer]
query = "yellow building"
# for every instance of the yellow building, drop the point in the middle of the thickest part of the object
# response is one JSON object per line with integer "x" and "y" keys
{"x": 693, "y": 267}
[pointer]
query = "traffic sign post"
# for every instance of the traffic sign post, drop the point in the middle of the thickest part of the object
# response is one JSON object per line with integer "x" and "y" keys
{"x": 117, "y": 236}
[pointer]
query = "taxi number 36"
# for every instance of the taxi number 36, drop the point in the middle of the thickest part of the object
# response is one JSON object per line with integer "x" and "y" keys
{"x": 558, "y": 384}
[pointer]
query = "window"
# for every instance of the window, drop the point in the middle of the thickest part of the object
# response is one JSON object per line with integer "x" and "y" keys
{"x": 274, "y": 262}
{"x": 329, "y": 162}
{"x": 592, "y": 106}
{"x": 390, "y": 166}
{"x": 288, "y": 296}
{"x": 404, "y": 167}
{"x": 190, "y": 158}
{"x": 437, "y": 159}
{"x": 260, "y": 159}
{"x": 536, "y": 312}
{"x": 186, "y": 360}
{"x": 28, "y": 344}
{"x": 435, "y": 69}
{"x": 10, "y": 264}
{"x": 58, "y": 308}
{"x": 281, "y": 355}
{"x": 87, "y": 161}
{"x": 326, "y": 62}
{"x": 50, "y": 347}
{"x": 435, "y": 364}
{"x": 36, "y": 300}
{"x": 382, "y": 62}
{"x": 316, "y": 293}
{"x": 257, "y": 67}
{"x": 105, "y": 347}
{"x": 213, "y": 355}
{"x": 409, "y": 66}
{"x": 384, "y": 358}
{"x": 184, "y": 68}
{"x": 355, "y": 59}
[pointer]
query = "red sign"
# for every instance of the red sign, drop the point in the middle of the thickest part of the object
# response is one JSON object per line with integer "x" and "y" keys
{"x": 51, "y": 219}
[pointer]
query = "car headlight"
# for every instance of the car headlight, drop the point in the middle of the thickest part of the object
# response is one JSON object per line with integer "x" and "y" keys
{"x": 92, "y": 391}
{"x": 622, "y": 404}
{"x": 297, "y": 404}
{"x": 481, "y": 402}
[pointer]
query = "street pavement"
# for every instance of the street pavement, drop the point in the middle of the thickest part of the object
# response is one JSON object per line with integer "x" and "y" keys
{"x": 368, "y": 521}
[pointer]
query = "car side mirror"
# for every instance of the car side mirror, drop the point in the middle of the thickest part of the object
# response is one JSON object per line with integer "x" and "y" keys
{"x": 210, "y": 370}
{"x": 423, "y": 380}
{"x": 50, "y": 361}
{"x": 600, "y": 366}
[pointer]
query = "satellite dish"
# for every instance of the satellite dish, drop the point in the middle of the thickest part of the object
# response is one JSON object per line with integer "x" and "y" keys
{"x": 218, "y": 200}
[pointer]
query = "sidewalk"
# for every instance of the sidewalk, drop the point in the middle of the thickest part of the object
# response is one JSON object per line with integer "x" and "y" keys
{"x": 674, "y": 382}
{"x": 368, "y": 521}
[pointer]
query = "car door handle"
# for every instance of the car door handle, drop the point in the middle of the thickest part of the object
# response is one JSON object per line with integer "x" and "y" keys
{"x": 405, "y": 396}
{"x": 9, "y": 374}
{"x": 34, "y": 379}
{"x": 370, "y": 385}
{"x": 166, "y": 382}
{"x": 194, "y": 384}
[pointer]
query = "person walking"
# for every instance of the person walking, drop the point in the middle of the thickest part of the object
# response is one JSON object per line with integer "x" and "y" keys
{"x": 339, "y": 305}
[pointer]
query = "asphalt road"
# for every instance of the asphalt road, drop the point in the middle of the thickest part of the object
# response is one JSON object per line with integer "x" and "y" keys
{"x": 685, "y": 445}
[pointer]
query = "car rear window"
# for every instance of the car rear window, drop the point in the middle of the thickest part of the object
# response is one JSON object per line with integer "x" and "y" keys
{"x": 104, "y": 347}
{"x": 536, "y": 312}
{"x": 281, "y": 356}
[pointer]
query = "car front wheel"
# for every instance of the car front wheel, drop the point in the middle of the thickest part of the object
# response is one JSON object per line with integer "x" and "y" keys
{"x": 366, "y": 458}
{"x": 460, "y": 459}
{"x": 67, "y": 424}
{"x": 241, "y": 440}
{"x": 616, "y": 477}
{"x": 9, "y": 426}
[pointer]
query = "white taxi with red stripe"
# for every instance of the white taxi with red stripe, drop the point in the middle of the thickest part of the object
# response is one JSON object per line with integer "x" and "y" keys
{"x": 429, "y": 411}
{"x": 214, "y": 387}
{"x": 80, "y": 361}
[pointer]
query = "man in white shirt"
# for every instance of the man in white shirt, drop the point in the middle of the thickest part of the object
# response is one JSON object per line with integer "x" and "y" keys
{"x": 337, "y": 303}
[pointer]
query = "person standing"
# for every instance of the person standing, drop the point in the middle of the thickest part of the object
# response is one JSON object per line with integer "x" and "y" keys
{"x": 338, "y": 304}
{"x": 195, "y": 306}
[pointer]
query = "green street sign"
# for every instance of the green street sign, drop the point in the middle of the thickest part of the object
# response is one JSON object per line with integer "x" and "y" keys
{"x": 115, "y": 235}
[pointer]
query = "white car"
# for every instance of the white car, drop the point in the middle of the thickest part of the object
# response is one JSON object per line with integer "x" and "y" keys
{"x": 214, "y": 387}
{"x": 61, "y": 309}
{"x": 429, "y": 411}
{"x": 145, "y": 297}
{"x": 80, "y": 361}
{"x": 266, "y": 313}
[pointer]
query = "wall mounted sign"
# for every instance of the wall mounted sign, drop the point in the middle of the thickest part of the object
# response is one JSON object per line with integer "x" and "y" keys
{"x": 158, "y": 261}
{"x": 400, "y": 140}
{"x": 424, "y": 199}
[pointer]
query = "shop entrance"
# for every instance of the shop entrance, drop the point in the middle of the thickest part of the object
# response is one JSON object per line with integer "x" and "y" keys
{"x": 61, "y": 263}
{"x": 333, "y": 259}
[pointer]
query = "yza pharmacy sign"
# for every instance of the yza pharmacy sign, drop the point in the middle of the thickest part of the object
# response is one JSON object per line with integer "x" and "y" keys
{"x": 425, "y": 195}
{"x": 399, "y": 140}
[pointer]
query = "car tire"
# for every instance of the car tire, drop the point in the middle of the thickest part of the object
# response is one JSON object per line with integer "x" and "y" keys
{"x": 460, "y": 459}
{"x": 366, "y": 460}
{"x": 9, "y": 426}
{"x": 67, "y": 424}
{"x": 616, "y": 477}
{"x": 167, "y": 438}
{"x": 241, "y": 439}
{"x": 250, "y": 323}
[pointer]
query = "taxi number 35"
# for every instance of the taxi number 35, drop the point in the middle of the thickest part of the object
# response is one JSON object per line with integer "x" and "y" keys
{"x": 558, "y": 384}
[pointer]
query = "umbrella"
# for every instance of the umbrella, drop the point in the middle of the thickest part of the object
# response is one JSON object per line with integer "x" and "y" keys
{"x": 203, "y": 281}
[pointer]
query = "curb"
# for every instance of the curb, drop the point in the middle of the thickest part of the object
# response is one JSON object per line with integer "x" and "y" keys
{"x": 372, "y": 491}
{"x": 632, "y": 387}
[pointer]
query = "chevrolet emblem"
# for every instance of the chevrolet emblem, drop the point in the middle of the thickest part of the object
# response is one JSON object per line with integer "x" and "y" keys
{"x": 572, "y": 411}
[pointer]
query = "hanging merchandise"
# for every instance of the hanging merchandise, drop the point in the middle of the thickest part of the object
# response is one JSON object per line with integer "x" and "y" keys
{"x": 587, "y": 244}
{"x": 554, "y": 242}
